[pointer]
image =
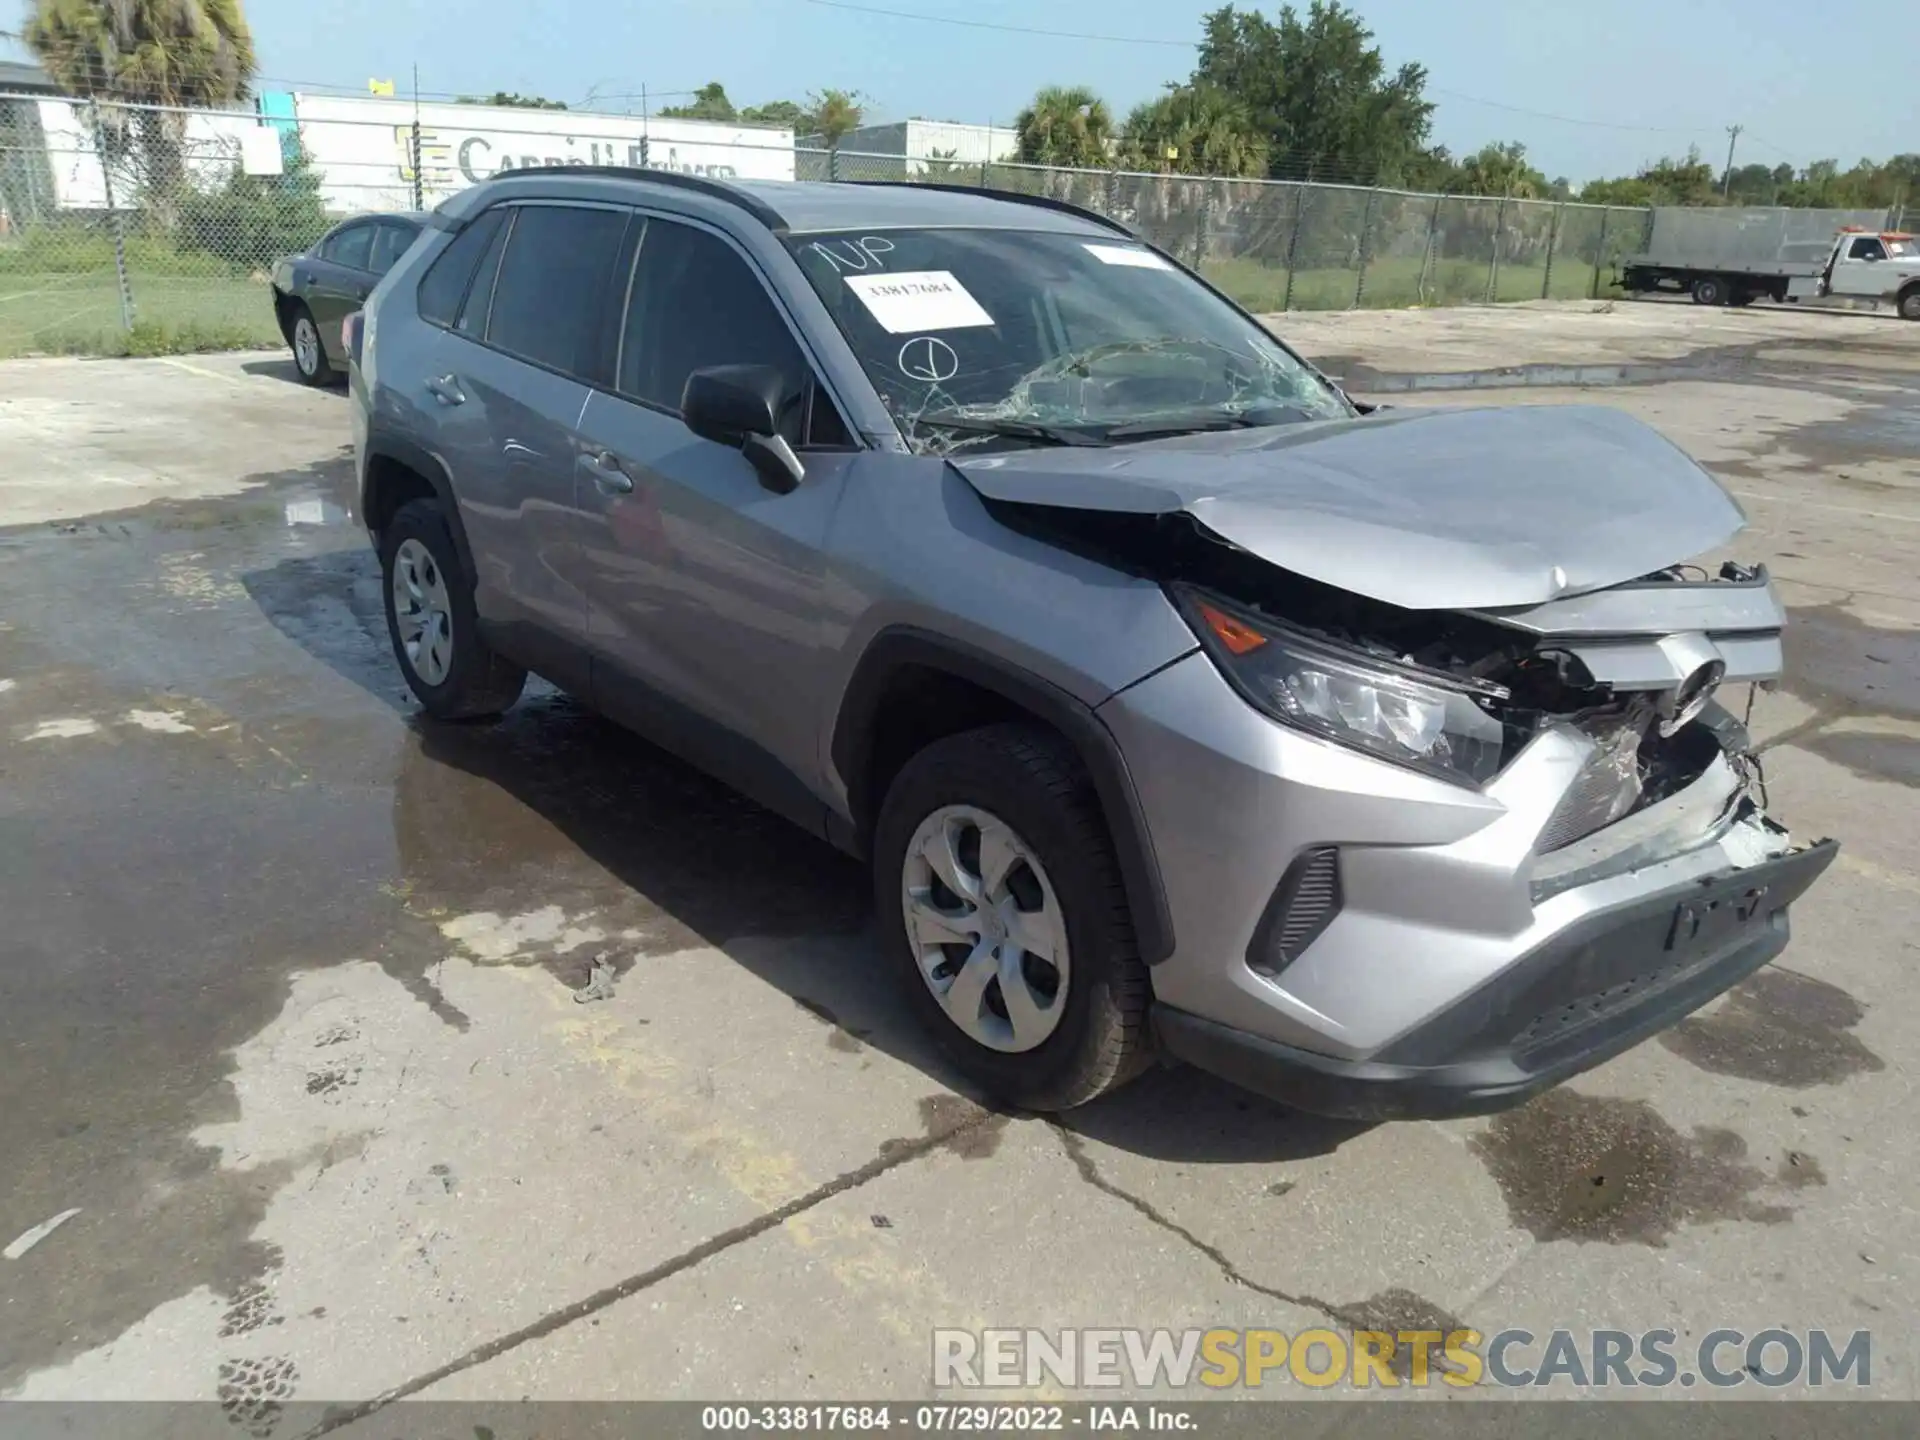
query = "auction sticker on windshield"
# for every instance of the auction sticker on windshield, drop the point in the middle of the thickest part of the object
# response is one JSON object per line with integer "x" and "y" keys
{"x": 1128, "y": 255}
{"x": 913, "y": 302}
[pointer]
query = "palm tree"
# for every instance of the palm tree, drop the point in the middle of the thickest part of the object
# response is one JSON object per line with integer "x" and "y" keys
{"x": 1068, "y": 126}
{"x": 179, "y": 54}
{"x": 1195, "y": 130}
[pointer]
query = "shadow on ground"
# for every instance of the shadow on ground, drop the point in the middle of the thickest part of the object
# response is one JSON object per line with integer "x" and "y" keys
{"x": 551, "y": 802}
{"x": 281, "y": 367}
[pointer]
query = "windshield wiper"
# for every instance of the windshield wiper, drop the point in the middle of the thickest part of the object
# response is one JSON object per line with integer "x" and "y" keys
{"x": 1013, "y": 429}
{"x": 1193, "y": 424}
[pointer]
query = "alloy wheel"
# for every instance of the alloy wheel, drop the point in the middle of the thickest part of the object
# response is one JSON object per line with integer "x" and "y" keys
{"x": 306, "y": 346}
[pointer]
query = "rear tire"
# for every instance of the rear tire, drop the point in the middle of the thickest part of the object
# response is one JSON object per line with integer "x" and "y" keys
{"x": 1909, "y": 303}
{"x": 1027, "y": 781}
{"x": 453, "y": 673}
{"x": 309, "y": 354}
{"x": 1710, "y": 290}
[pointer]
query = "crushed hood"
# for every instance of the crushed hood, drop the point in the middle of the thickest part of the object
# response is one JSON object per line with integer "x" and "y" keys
{"x": 1427, "y": 510}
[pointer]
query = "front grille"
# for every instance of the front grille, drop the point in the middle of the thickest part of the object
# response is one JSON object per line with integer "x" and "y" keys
{"x": 1606, "y": 788}
{"x": 1303, "y": 905}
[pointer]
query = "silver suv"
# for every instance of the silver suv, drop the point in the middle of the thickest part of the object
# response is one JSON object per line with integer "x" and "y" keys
{"x": 1371, "y": 760}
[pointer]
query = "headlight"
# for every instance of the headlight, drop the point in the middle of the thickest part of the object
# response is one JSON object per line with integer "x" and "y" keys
{"x": 1395, "y": 712}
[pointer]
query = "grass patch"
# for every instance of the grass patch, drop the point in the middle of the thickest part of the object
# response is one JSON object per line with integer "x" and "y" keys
{"x": 62, "y": 313}
{"x": 1394, "y": 282}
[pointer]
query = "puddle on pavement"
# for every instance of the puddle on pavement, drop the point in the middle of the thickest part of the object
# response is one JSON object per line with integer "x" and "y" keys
{"x": 553, "y": 800}
{"x": 1583, "y": 1167}
{"x": 1877, "y": 757}
{"x": 965, "y": 1128}
{"x": 1779, "y": 1028}
{"x": 300, "y": 828}
{"x": 1845, "y": 665}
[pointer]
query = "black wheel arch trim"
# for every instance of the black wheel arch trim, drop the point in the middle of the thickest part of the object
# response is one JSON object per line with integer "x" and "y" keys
{"x": 899, "y": 647}
{"x": 401, "y": 450}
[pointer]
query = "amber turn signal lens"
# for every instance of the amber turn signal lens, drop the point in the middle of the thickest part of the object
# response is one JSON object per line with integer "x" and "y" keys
{"x": 1238, "y": 638}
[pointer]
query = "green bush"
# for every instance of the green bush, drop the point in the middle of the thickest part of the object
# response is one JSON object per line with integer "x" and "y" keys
{"x": 253, "y": 220}
{"x": 82, "y": 246}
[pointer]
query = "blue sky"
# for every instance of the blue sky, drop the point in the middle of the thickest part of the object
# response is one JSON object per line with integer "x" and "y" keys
{"x": 1666, "y": 75}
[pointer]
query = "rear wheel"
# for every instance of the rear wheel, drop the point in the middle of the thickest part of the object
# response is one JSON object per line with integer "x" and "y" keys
{"x": 1000, "y": 898}
{"x": 309, "y": 355}
{"x": 430, "y": 618}
{"x": 1909, "y": 303}
{"x": 1710, "y": 290}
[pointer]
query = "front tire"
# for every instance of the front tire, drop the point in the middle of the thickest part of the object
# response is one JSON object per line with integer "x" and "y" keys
{"x": 1909, "y": 304}
{"x": 1001, "y": 905}
{"x": 431, "y": 621}
{"x": 309, "y": 355}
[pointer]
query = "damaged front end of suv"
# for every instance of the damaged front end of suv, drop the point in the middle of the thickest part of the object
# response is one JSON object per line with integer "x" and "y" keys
{"x": 1506, "y": 825}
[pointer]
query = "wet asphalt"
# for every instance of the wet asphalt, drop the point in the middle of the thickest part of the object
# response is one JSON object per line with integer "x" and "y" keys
{"x": 286, "y": 976}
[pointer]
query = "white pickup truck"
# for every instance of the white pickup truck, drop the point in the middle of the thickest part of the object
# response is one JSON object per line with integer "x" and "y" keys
{"x": 1732, "y": 267}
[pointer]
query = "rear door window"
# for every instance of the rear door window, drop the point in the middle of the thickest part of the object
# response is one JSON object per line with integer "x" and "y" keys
{"x": 350, "y": 247}
{"x": 390, "y": 241}
{"x": 473, "y": 314}
{"x": 555, "y": 286}
{"x": 445, "y": 284}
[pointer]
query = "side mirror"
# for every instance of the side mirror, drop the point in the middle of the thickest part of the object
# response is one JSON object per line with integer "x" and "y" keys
{"x": 740, "y": 405}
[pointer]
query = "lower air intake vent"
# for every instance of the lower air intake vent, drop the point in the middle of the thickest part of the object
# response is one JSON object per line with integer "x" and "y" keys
{"x": 1305, "y": 903}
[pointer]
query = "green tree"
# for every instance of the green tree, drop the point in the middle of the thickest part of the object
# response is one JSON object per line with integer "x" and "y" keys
{"x": 1194, "y": 130}
{"x": 1432, "y": 169}
{"x": 1500, "y": 169}
{"x": 1066, "y": 125}
{"x": 710, "y": 102}
{"x": 1689, "y": 181}
{"x": 182, "y": 54}
{"x": 252, "y": 220}
{"x": 508, "y": 98}
{"x": 1319, "y": 90}
{"x": 784, "y": 113}
{"x": 944, "y": 167}
{"x": 834, "y": 114}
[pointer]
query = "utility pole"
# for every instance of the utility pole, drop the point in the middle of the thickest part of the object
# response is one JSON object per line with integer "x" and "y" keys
{"x": 1733, "y": 138}
{"x": 419, "y": 195}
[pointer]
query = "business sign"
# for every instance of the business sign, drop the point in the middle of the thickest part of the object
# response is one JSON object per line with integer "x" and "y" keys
{"x": 364, "y": 148}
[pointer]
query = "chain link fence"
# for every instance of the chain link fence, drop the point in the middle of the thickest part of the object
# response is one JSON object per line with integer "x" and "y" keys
{"x": 133, "y": 229}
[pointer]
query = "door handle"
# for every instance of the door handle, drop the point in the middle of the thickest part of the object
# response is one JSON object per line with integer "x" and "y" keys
{"x": 605, "y": 468}
{"x": 446, "y": 389}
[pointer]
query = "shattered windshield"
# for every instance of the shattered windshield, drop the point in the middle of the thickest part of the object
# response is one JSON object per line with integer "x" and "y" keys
{"x": 989, "y": 339}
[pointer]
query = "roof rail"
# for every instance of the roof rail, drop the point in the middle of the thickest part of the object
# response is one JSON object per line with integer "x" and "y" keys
{"x": 700, "y": 184}
{"x": 1045, "y": 202}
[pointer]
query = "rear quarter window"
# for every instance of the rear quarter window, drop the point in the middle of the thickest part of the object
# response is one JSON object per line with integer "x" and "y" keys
{"x": 445, "y": 284}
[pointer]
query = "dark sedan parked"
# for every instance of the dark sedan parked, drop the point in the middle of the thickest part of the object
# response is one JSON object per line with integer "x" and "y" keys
{"x": 314, "y": 292}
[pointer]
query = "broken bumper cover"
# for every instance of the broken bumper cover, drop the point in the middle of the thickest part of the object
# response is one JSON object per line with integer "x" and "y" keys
{"x": 1595, "y": 989}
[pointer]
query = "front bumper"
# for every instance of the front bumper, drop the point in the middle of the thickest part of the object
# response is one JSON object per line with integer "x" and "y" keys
{"x": 1597, "y": 988}
{"x": 1453, "y": 965}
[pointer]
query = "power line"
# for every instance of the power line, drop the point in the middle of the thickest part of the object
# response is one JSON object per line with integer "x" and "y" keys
{"x": 1569, "y": 119}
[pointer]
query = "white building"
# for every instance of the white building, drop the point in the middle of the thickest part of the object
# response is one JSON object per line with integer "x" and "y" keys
{"x": 363, "y": 146}
{"x": 919, "y": 140}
